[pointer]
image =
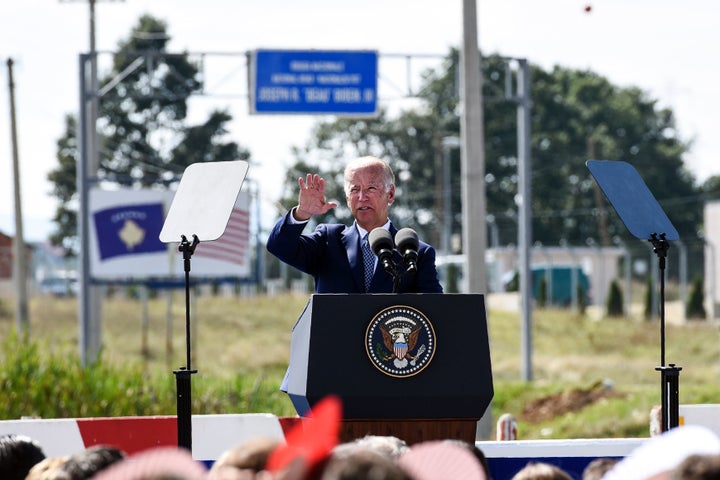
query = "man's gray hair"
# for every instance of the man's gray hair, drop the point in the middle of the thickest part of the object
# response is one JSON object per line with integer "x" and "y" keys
{"x": 369, "y": 161}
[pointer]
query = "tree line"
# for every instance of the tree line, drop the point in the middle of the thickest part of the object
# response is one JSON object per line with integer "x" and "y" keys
{"x": 576, "y": 115}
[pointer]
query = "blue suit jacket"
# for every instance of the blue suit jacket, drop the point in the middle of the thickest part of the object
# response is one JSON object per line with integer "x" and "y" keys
{"x": 331, "y": 254}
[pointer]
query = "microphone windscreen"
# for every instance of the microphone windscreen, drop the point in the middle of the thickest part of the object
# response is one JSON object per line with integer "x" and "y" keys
{"x": 380, "y": 239}
{"x": 407, "y": 239}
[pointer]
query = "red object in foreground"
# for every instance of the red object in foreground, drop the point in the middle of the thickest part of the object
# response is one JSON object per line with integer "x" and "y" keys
{"x": 313, "y": 438}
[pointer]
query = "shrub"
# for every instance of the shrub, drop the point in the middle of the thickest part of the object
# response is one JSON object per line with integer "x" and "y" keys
{"x": 648, "y": 298}
{"x": 37, "y": 383}
{"x": 453, "y": 272}
{"x": 614, "y": 305}
{"x": 582, "y": 299}
{"x": 542, "y": 292}
{"x": 695, "y": 307}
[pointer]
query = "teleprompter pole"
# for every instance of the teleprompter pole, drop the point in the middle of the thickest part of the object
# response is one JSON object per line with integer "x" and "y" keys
{"x": 203, "y": 203}
{"x": 183, "y": 375}
{"x": 670, "y": 374}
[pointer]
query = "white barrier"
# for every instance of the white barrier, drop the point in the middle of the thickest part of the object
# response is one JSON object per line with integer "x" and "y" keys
{"x": 596, "y": 447}
{"x": 211, "y": 434}
{"x": 707, "y": 415}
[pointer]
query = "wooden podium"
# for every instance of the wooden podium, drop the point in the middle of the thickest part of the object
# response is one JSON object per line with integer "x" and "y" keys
{"x": 412, "y": 430}
{"x": 414, "y": 366}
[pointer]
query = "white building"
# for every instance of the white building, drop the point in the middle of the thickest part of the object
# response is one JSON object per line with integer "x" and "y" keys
{"x": 712, "y": 257}
{"x": 600, "y": 265}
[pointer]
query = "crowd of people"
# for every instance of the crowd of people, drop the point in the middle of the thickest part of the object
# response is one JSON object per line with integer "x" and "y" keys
{"x": 311, "y": 450}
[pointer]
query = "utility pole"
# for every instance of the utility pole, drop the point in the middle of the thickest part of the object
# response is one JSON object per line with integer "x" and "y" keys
{"x": 473, "y": 169}
{"x": 472, "y": 154}
{"x": 19, "y": 271}
{"x": 89, "y": 297}
{"x": 524, "y": 216}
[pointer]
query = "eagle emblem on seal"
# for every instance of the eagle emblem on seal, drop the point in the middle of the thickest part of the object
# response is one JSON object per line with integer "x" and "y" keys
{"x": 400, "y": 341}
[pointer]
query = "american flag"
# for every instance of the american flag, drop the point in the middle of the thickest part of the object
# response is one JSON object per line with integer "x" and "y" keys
{"x": 234, "y": 245}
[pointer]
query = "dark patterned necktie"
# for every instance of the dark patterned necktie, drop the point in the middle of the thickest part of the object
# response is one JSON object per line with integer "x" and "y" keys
{"x": 368, "y": 261}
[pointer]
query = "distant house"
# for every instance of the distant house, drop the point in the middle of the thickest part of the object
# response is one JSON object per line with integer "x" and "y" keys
{"x": 712, "y": 258}
{"x": 48, "y": 269}
{"x": 53, "y": 272}
{"x": 6, "y": 257}
{"x": 6, "y": 264}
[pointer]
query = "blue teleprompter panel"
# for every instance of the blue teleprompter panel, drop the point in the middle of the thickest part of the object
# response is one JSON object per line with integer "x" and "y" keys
{"x": 634, "y": 203}
{"x": 314, "y": 82}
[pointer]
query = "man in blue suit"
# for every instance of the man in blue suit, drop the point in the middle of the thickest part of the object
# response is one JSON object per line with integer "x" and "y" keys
{"x": 332, "y": 252}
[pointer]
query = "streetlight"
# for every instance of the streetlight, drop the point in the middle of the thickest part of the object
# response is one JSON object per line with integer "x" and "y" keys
{"x": 600, "y": 291}
{"x": 711, "y": 286}
{"x": 494, "y": 244}
{"x": 574, "y": 265}
{"x": 494, "y": 232}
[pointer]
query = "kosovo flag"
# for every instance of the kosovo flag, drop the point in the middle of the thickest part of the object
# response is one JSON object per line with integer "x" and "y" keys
{"x": 129, "y": 230}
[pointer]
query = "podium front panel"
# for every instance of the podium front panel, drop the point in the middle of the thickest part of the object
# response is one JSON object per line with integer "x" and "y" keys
{"x": 456, "y": 382}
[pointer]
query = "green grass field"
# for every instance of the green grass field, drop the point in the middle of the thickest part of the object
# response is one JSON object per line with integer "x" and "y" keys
{"x": 240, "y": 348}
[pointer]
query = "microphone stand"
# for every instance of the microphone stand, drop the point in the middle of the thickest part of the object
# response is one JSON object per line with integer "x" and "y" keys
{"x": 397, "y": 273}
{"x": 390, "y": 267}
{"x": 396, "y": 282}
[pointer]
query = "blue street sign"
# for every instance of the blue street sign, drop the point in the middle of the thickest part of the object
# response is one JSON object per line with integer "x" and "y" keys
{"x": 314, "y": 82}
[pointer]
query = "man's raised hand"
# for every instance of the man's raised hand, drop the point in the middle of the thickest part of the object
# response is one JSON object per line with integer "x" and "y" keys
{"x": 311, "y": 199}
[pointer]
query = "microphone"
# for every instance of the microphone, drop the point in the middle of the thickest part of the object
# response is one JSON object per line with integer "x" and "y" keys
{"x": 381, "y": 243}
{"x": 408, "y": 244}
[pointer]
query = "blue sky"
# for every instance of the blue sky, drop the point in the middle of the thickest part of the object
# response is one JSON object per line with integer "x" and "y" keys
{"x": 666, "y": 48}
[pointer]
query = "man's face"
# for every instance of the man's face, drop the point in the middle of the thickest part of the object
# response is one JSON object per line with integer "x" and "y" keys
{"x": 367, "y": 197}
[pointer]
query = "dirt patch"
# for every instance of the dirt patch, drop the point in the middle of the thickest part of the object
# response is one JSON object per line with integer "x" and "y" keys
{"x": 549, "y": 407}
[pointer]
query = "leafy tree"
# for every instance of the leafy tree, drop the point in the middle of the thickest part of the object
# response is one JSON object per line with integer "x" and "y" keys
{"x": 64, "y": 180}
{"x": 144, "y": 136}
{"x": 143, "y": 119}
{"x": 579, "y": 115}
{"x": 576, "y": 115}
{"x": 411, "y": 144}
{"x": 711, "y": 188}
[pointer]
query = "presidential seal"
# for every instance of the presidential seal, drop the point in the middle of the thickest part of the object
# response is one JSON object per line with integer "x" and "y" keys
{"x": 400, "y": 341}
